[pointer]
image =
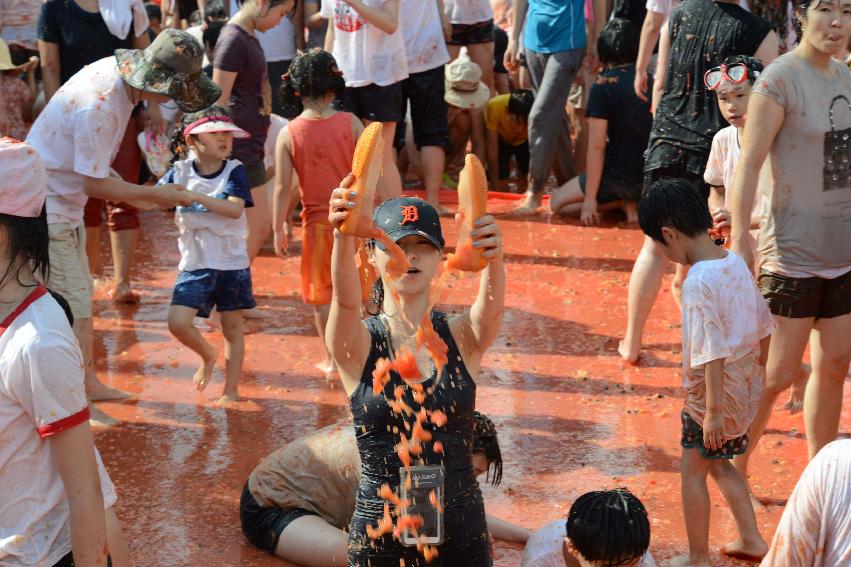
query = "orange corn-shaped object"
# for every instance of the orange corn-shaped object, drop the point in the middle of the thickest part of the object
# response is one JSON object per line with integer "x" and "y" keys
{"x": 438, "y": 417}
{"x": 366, "y": 168}
{"x": 402, "y": 451}
{"x": 472, "y": 203}
{"x": 433, "y": 500}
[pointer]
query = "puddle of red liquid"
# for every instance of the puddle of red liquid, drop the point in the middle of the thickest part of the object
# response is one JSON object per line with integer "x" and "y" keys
{"x": 571, "y": 416}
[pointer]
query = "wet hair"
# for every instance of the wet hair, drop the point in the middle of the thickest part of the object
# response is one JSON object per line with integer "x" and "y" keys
{"x": 485, "y": 441}
{"x": 376, "y": 296}
{"x": 675, "y": 203}
{"x": 312, "y": 74}
{"x": 154, "y": 12}
{"x": 27, "y": 242}
{"x": 195, "y": 19}
{"x": 618, "y": 42}
{"x": 609, "y": 526}
{"x": 211, "y": 33}
{"x": 179, "y": 146}
{"x": 520, "y": 102}
{"x": 754, "y": 65}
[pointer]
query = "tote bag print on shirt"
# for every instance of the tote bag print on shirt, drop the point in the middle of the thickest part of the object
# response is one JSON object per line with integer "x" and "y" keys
{"x": 837, "y": 148}
{"x": 346, "y": 18}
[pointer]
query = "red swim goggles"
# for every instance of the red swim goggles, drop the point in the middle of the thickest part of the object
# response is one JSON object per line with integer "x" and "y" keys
{"x": 735, "y": 73}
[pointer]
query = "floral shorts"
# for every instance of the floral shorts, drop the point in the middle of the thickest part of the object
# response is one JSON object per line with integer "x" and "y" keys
{"x": 692, "y": 438}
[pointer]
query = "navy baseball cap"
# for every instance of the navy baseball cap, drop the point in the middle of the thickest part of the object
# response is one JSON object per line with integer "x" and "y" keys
{"x": 406, "y": 216}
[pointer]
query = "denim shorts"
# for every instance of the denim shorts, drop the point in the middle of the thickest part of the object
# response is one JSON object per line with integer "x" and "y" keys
{"x": 263, "y": 526}
{"x": 226, "y": 290}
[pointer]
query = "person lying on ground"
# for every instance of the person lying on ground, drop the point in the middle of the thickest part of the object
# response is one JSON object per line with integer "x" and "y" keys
{"x": 299, "y": 500}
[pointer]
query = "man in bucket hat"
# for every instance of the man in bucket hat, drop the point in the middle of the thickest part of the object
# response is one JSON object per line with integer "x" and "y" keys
{"x": 78, "y": 134}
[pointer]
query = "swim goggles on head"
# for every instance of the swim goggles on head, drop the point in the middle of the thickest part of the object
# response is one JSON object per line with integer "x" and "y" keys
{"x": 735, "y": 73}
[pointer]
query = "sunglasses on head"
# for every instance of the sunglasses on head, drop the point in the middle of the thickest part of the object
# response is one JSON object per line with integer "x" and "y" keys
{"x": 735, "y": 73}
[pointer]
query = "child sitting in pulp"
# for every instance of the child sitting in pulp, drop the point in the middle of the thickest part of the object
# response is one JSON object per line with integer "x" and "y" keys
{"x": 725, "y": 331}
{"x": 214, "y": 263}
{"x": 318, "y": 146}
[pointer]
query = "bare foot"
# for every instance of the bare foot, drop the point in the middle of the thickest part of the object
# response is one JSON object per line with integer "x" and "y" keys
{"x": 123, "y": 293}
{"x": 629, "y": 356}
{"x": 227, "y": 400}
{"x": 255, "y": 314}
{"x": 326, "y": 366}
{"x": 100, "y": 392}
{"x": 530, "y": 205}
{"x": 99, "y": 419}
{"x": 796, "y": 394}
{"x": 746, "y": 551}
{"x": 687, "y": 561}
{"x": 205, "y": 373}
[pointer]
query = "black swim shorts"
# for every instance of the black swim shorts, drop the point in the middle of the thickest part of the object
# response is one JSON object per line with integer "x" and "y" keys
{"x": 799, "y": 298}
{"x": 263, "y": 526}
{"x": 692, "y": 438}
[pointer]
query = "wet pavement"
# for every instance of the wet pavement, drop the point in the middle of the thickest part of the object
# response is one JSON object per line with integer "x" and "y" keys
{"x": 571, "y": 416}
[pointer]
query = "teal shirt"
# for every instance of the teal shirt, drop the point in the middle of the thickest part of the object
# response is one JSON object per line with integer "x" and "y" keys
{"x": 555, "y": 25}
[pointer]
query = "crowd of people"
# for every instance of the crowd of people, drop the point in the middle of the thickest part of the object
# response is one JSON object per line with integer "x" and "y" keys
{"x": 700, "y": 120}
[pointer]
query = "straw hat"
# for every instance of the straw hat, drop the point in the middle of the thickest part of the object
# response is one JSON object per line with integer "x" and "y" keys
{"x": 464, "y": 86}
{"x": 23, "y": 185}
{"x": 6, "y": 58}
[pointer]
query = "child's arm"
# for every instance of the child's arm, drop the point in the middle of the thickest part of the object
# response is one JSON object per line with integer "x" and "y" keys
{"x": 283, "y": 190}
{"x": 329, "y": 38}
{"x": 597, "y": 128}
{"x": 713, "y": 423}
{"x": 346, "y": 336}
{"x": 505, "y": 530}
{"x": 74, "y": 453}
{"x": 31, "y": 86}
{"x": 232, "y": 207}
{"x": 385, "y": 18}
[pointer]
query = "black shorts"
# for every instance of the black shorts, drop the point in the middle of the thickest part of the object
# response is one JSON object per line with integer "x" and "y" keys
{"x": 424, "y": 91}
{"x": 692, "y": 438}
{"x": 68, "y": 561}
{"x": 470, "y": 34}
{"x": 263, "y": 526}
{"x": 519, "y": 153}
{"x": 799, "y": 298}
{"x": 374, "y": 103}
{"x": 614, "y": 190}
{"x": 678, "y": 172}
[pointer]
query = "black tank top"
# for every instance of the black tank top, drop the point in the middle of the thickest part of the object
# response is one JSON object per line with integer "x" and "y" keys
{"x": 703, "y": 34}
{"x": 376, "y": 431}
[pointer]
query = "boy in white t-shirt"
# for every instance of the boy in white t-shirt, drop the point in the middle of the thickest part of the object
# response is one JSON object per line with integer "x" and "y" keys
{"x": 608, "y": 527}
{"x": 214, "y": 262}
{"x": 725, "y": 331}
{"x": 56, "y": 498}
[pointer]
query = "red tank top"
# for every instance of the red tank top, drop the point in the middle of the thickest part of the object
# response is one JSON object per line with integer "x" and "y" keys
{"x": 322, "y": 150}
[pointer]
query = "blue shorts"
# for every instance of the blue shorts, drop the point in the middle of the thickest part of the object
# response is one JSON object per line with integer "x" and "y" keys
{"x": 227, "y": 290}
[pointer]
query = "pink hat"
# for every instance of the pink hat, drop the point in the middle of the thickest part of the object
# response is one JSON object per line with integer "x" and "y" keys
{"x": 212, "y": 124}
{"x": 23, "y": 184}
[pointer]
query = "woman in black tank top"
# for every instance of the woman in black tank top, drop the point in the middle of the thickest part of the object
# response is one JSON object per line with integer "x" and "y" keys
{"x": 357, "y": 346}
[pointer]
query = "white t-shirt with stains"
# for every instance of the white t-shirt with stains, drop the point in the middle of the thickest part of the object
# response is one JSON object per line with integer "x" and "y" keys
{"x": 366, "y": 55}
{"x": 465, "y": 11}
{"x": 78, "y": 134}
{"x": 41, "y": 394}
{"x": 721, "y": 166}
{"x": 815, "y": 530}
{"x": 425, "y": 45}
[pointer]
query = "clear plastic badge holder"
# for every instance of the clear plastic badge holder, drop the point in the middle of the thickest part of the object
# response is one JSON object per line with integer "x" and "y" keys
{"x": 424, "y": 480}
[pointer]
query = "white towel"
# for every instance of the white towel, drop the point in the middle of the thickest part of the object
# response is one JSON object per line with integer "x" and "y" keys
{"x": 118, "y": 14}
